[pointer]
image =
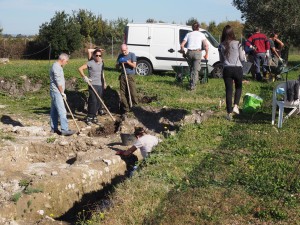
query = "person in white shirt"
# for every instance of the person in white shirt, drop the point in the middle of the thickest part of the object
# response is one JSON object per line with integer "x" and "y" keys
{"x": 196, "y": 41}
{"x": 145, "y": 142}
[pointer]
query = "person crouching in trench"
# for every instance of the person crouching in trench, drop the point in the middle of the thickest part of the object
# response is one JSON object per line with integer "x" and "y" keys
{"x": 145, "y": 142}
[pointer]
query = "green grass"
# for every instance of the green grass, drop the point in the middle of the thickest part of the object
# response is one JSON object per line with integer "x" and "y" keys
{"x": 218, "y": 172}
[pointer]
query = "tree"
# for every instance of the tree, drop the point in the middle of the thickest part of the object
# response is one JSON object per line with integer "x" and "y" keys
{"x": 271, "y": 15}
{"x": 87, "y": 21}
{"x": 237, "y": 26}
{"x": 191, "y": 21}
{"x": 150, "y": 20}
{"x": 63, "y": 33}
{"x": 213, "y": 29}
{"x": 203, "y": 25}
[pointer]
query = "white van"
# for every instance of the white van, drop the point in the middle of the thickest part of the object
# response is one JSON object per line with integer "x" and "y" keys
{"x": 156, "y": 46}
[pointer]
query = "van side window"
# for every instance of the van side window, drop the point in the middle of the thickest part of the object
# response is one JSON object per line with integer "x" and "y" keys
{"x": 211, "y": 39}
{"x": 182, "y": 34}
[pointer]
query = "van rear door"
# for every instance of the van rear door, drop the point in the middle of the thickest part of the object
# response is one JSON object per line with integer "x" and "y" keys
{"x": 137, "y": 38}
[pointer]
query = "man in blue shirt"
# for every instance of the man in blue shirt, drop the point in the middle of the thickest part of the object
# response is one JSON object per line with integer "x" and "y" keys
{"x": 129, "y": 60}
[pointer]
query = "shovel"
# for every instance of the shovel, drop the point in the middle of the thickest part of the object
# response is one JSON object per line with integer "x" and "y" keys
{"x": 129, "y": 95}
{"x": 72, "y": 115}
{"x": 101, "y": 101}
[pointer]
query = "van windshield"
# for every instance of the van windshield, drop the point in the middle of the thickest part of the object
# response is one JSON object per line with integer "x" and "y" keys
{"x": 211, "y": 39}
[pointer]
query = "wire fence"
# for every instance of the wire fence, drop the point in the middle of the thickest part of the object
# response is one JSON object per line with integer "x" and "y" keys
{"x": 17, "y": 48}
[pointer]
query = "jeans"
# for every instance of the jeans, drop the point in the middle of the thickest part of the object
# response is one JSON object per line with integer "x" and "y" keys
{"x": 58, "y": 110}
{"x": 230, "y": 74}
{"x": 94, "y": 103}
{"x": 195, "y": 60}
{"x": 258, "y": 59}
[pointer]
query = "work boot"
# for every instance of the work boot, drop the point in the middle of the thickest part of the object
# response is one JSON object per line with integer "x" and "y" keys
{"x": 55, "y": 132}
{"x": 67, "y": 132}
{"x": 259, "y": 77}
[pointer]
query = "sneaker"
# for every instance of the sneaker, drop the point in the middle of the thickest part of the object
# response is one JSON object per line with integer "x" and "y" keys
{"x": 101, "y": 112}
{"x": 236, "y": 110}
{"x": 95, "y": 120}
{"x": 67, "y": 132}
{"x": 229, "y": 116}
{"x": 88, "y": 120}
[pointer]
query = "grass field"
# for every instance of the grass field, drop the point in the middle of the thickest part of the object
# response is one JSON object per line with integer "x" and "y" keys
{"x": 220, "y": 172}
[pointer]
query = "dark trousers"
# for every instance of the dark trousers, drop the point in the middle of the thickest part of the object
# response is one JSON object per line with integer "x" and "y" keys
{"x": 231, "y": 74}
{"x": 124, "y": 92}
{"x": 94, "y": 103}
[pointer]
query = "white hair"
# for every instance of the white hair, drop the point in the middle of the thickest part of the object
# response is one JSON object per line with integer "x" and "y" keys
{"x": 63, "y": 56}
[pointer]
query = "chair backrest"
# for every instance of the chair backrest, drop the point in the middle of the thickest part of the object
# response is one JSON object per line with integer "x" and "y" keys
{"x": 278, "y": 97}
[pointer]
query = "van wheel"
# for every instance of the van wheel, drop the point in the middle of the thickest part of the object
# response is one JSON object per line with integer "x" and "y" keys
{"x": 217, "y": 72}
{"x": 143, "y": 68}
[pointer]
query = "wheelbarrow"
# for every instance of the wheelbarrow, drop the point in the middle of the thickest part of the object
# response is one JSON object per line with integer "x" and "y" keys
{"x": 182, "y": 72}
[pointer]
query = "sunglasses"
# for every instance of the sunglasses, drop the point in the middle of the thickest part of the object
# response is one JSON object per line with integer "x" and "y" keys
{"x": 98, "y": 55}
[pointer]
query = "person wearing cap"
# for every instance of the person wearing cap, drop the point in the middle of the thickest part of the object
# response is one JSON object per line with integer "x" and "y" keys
{"x": 95, "y": 67}
{"x": 196, "y": 41}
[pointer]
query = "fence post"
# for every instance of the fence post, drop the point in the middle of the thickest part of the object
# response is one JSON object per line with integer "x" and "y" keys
{"x": 112, "y": 47}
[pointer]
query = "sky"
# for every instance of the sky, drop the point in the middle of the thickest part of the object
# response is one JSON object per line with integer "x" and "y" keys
{"x": 26, "y": 16}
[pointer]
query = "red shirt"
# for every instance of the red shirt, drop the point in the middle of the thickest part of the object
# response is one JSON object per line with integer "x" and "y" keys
{"x": 260, "y": 41}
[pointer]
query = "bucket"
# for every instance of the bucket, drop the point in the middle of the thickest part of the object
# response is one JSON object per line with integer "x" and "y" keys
{"x": 127, "y": 139}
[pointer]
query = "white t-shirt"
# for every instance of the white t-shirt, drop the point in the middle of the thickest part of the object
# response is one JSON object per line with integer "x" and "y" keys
{"x": 194, "y": 40}
{"x": 146, "y": 143}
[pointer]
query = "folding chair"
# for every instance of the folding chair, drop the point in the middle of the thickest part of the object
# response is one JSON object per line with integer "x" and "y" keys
{"x": 280, "y": 100}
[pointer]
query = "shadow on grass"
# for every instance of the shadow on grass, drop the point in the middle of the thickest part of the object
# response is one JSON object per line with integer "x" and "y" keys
{"x": 42, "y": 110}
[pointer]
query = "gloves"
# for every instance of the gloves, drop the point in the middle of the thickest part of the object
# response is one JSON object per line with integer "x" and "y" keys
{"x": 281, "y": 59}
{"x": 268, "y": 53}
{"x": 122, "y": 60}
{"x": 64, "y": 96}
{"x": 86, "y": 79}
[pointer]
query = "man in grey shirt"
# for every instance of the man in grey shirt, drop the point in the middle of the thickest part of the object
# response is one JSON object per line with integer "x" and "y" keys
{"x": 57, "y": 88}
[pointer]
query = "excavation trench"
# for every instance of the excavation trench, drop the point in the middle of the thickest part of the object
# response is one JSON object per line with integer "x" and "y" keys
{"x": 62, "y": 177}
